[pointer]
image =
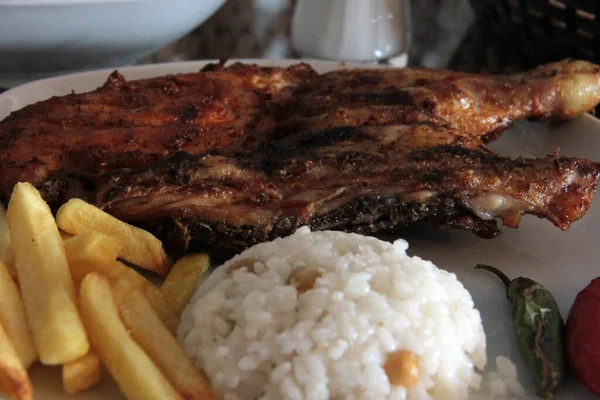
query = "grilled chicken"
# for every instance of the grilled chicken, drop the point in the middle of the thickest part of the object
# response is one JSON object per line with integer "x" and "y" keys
{"x": 352, "y": 178}
{"x": 231, "y": 156}
{"x": 477, "y": 104}
{"x": 66, "y": 143}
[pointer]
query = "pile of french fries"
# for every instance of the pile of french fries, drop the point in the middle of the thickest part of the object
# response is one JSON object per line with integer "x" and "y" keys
{"x": 67, "y": 298}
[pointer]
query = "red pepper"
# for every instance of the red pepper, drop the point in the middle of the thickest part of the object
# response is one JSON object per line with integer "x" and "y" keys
{"x": 583, "y": 336}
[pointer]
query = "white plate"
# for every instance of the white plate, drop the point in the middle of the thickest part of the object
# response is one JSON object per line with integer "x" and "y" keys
{"x": 564, "y": 262}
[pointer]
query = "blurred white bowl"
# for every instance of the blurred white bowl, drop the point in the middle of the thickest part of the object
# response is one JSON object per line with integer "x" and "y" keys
{"x": 41, "y": 38}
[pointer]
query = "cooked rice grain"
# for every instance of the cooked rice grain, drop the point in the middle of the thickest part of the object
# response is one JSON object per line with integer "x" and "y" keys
{"x": 257, "y": 337}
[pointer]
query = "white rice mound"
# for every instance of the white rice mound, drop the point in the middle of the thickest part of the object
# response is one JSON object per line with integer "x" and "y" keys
{"x": 257, "y": 337}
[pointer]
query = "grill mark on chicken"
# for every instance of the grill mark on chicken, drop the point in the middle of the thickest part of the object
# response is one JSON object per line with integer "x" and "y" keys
{"x": 477, "y": 104}
{"x": 398, "y": 175}
{"x": 134, "y": 123}
{"x": 231, "y": 156}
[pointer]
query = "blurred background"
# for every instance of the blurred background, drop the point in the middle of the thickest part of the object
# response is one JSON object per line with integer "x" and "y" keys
{"x": 466, "y": 35}
{"x": 262, "y": 29}
{"x": 41, "y": 38}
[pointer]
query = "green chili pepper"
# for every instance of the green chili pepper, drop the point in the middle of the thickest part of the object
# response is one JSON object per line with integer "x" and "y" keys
{"x": 539, "y": 329}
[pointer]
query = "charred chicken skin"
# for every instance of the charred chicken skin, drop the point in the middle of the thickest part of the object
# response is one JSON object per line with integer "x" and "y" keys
{"x": 480, "y": 105}
{"x": 64, "y": 144}
{"x": 232, "y": 156}
{"x": 360, "y": 179}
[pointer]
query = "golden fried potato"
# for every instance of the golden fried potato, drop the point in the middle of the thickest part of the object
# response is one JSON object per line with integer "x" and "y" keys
{"x": 150, "y": 333}
{"x": 14, "y": 380}
{"x": 183, "y": 279}
{"x": 64, "y": 235}
{"x": 135, "y": 373}
{"x": 95, "y": 251}
{"x": 139, "y": 247}
{"x": 91, "y": 251}
{"x": 83, "y": 373}
{"x": 6, "y": 251}
{"x": 44, "y": 277}
{"x": 12, "y": 318}
{"x": 119, "y": 271}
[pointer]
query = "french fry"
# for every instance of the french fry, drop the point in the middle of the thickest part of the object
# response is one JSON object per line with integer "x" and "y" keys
{"x": 135, "y": 373}
{"x": 65, "y": 236}
{"x": 12, "y": 318}
{"x": 13, "y": 378}
{"x": 183, "y": 279}
{"x": 82, "y": 374}
{"x": 140, "y": 248}
{"x": 91, "y": 251}
{"x": 44, "y": 277}
{"x": 150, "y": 292}
{"x": 148, "y": 331}
{"x": 95, "y": 251}
{"x": 6, "y": 251}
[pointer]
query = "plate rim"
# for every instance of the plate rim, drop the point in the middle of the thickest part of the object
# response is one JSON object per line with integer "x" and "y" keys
{"x": 177, "y": 64}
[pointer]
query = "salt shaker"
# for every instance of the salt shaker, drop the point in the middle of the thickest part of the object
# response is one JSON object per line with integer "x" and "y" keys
{"x": 352, "y": 30}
